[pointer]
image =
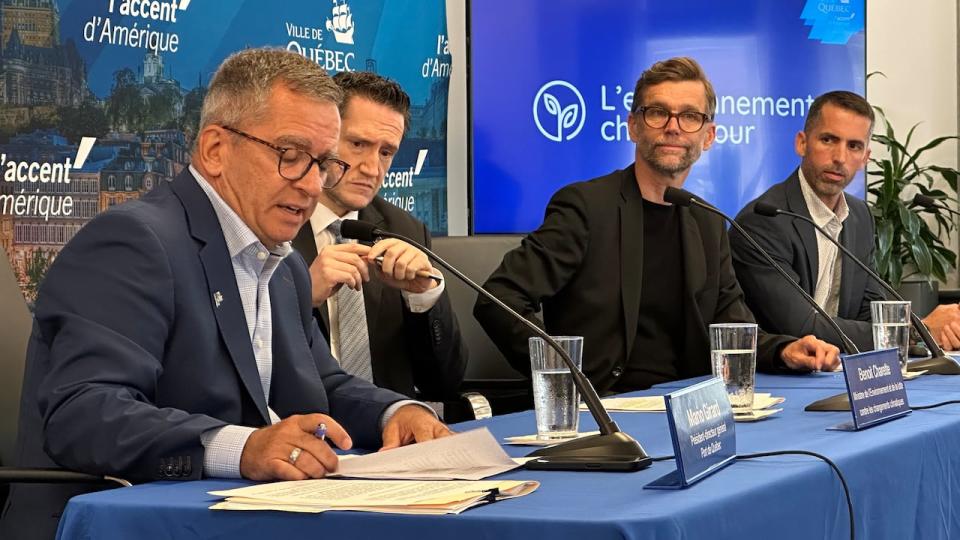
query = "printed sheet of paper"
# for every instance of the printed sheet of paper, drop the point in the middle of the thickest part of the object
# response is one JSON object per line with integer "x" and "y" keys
{"x": 754, "y": 415}
{"x": 472, "y": 455}
{"x": 761, "y": 400}
{"x": 389, "y": 496}
{"x": 532, "y": 440}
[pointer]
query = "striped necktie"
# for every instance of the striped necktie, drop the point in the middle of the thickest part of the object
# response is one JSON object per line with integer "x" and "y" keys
{"x": 354, "y": 341}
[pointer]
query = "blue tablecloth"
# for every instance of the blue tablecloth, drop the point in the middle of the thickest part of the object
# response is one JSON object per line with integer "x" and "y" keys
{"x": 904, "y": 477}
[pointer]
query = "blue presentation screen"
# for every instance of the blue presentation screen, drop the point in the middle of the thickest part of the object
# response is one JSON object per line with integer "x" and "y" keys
{"x": 552, "y": 82}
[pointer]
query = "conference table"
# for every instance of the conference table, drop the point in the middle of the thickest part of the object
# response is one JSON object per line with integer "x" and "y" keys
{"x": 904, "y": 478}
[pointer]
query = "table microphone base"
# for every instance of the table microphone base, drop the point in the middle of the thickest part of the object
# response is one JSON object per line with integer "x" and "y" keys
{"x": 939, "y": 365}
{"x": 839, "y": 402}
{"x": 614, "y": 452}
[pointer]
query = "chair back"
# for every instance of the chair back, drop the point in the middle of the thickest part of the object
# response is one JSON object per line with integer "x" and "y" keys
{"x": 15, "y": 325}
{"x": 477, "y": 257}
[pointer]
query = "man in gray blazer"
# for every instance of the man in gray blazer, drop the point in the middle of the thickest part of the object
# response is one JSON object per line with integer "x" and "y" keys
{"x": 833, "y": 146}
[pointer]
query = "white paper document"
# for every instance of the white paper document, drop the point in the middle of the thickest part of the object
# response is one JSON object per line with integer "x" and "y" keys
{"x": 472, "y": 455}
{"x": 386, "y": 496}
{"x": 532, "y": 440}
{"x": 761, "y": 400}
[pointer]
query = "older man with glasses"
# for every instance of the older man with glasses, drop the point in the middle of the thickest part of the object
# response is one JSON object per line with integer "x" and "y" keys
{"x": 174, "y": 335}
{"x": 640, "y": 279}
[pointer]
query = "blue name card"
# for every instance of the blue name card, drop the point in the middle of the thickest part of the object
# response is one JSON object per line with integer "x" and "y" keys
{"x": 702, "y": 431}
{"x": 875, "y": 387}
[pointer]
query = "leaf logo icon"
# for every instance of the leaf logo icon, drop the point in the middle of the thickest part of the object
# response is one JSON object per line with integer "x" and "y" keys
{"x": 559, "y": 111}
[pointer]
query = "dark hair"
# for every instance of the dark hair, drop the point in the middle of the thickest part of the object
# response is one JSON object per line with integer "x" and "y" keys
{"x": 681, "y": 68}
{"x": 843, "y": 99}
{"x": 376, "y": 88}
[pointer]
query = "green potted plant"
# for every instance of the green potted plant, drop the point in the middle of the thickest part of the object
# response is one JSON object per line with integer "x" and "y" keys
{"x": 907, "y": 245}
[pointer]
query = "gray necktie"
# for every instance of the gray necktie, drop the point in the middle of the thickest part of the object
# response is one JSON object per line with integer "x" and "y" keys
{"x": 354, "y": 346}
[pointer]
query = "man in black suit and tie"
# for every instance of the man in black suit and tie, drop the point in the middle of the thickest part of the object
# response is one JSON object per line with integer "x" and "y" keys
{"x": 384, "y": 323}
{"x": 641, "y": 280}
{"x": 833, "y": 146}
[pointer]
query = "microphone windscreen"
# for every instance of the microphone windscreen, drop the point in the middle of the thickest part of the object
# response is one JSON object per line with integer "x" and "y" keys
{"x": 923, "y": 200}
{"x": 358, "y": 230}
{"x": 766, "y": 209}
{"x": 677, "y": 196}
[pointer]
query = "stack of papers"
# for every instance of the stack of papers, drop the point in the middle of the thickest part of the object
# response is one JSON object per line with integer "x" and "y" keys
{"x": 385, "y": 496}
{"x": 532, "y": 440}
{"x": 762, "y": 403}
{"x": 397, "y": 481}
{"x": 471, "y": 455}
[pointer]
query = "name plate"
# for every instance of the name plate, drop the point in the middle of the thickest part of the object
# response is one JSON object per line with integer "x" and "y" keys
{"x": 702, "y": 432}
{"x": 875, "y": 387}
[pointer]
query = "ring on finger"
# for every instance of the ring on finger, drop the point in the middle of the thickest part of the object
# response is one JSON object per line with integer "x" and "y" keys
{"x": 294, "y": 455}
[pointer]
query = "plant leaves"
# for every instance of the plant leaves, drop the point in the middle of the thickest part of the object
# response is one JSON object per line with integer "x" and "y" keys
{"x": 921, "y": 257}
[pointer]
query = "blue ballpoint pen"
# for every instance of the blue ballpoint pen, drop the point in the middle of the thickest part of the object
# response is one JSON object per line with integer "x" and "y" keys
{"x": 321, "y": 432}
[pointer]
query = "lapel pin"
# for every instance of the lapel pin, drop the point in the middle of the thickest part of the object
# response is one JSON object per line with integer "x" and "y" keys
{"x": 217, "y": 298}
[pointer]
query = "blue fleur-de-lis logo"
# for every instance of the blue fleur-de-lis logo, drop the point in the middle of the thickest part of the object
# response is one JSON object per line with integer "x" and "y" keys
{"x": 559, "y": 111}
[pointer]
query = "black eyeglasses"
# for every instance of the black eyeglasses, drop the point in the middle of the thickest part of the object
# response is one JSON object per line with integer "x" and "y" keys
{"x": 294, "y": 163}
{"x": 689, "y": 121}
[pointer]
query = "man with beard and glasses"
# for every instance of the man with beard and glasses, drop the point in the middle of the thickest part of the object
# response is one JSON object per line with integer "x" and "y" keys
{"x": 833, "y": 146}
{"x": 640, "y": 279}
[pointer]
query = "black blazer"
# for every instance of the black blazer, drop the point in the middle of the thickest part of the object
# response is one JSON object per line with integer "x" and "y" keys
{"x": 584, "y": 266}
{"x": 793, "y": 244}
{"x": 407, "y": 349}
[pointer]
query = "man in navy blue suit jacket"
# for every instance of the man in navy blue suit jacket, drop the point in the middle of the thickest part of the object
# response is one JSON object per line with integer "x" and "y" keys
{"x": 174, "y": 337}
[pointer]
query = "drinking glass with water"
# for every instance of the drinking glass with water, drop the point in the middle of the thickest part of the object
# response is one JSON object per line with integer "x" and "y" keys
{"x": 555, "y": 397}
{"x": 891, "y": 327}
{"x": 733, "y": 358}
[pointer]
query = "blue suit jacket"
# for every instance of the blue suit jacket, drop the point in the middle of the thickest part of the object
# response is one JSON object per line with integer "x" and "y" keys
{"x": 131, "y": 358}
{"x": 793, "y": 244}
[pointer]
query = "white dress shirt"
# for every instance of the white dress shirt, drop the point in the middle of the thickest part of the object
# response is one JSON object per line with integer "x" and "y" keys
{"x": 827, "y": 291}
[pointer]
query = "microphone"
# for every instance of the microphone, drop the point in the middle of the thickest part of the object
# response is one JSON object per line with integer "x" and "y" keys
{"x": 939, "y": 363}
{"x": 611, "y": 450}
{"x": 682, "y": 197}
{"x": 931, "y": 204}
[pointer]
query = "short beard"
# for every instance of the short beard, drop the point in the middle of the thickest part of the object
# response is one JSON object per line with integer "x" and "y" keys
{"x": 686, "y": 161}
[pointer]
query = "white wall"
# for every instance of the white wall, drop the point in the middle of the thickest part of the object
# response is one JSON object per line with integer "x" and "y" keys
{"x": 915, "y": 45}
{"x": 457, "y": 216}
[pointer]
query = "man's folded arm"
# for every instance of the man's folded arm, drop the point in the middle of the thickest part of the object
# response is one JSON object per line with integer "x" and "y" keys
{"x": 543, "y": 264}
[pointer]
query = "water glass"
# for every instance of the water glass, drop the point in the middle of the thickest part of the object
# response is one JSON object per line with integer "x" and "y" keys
{"x": 733, "y": 358}
{"x": 555, "y": 397}
{"x": 891, "y": 327}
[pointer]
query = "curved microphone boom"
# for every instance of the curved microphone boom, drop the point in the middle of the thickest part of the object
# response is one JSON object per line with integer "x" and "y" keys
{"x": 682, "y": 197}
{"x": 612, "y": 449}
{"x": 939, "y": 363}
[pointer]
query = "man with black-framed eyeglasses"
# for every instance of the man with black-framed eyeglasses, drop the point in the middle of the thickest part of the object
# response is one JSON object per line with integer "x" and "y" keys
{"x": 640, "y": 279}
{"x": 174, "y": 336}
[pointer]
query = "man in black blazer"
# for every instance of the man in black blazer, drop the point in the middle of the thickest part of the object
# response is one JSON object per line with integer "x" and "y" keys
{"x": 833, "y": 146}
{"x": 639, "y": 279}
{"x": 412, "y": 334}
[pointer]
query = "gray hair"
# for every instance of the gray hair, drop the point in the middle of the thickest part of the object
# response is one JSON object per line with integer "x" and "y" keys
{"x": 242, "y": 84}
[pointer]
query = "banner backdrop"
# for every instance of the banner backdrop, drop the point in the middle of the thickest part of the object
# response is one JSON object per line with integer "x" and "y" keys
{"x": 100, "y": 99}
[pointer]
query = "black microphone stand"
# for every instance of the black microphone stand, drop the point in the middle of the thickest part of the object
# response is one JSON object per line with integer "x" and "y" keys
{"x": 611, "y": 450}
{"x": 839, "y": 402}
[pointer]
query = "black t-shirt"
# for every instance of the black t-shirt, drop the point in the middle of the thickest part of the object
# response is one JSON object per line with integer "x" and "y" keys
{"x": 660, "y": 326}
